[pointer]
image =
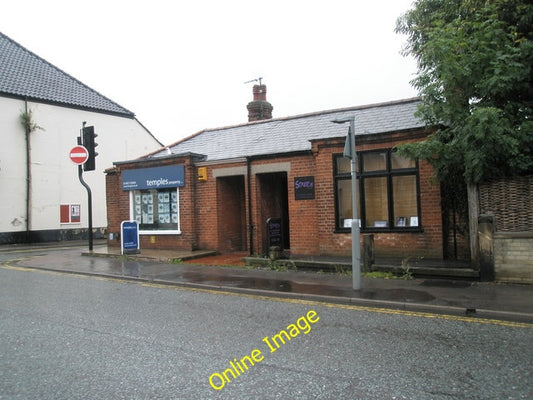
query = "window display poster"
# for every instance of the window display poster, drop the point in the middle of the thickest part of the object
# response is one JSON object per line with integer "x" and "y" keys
{"x": 74, "y": 213}
{"x": 155, "y": 209}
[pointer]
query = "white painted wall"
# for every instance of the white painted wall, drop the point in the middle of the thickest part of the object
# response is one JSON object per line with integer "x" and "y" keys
{"x": 54, "y": 177}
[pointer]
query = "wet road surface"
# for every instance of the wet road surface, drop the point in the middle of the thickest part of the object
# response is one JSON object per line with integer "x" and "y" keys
{"x": 65, "y": 336}
{"x": 488, "y": 300}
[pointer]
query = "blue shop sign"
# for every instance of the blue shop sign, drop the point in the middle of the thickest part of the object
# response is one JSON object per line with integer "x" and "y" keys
{"x": 153, "y": 178}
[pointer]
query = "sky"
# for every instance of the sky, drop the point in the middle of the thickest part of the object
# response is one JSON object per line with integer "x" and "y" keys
{"x": 182, "y": 66}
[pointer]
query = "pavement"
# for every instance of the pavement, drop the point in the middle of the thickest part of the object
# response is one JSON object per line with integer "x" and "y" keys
{"x": 204, "y": 270}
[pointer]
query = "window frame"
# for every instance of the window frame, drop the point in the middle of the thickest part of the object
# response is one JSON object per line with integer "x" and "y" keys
{"x": 157, "y": 231}
{"x": 389, "y": 174}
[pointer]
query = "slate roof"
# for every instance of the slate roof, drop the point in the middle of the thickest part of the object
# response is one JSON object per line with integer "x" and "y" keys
{"x": 23, "y": 74}
{"x": 293, "y": 134}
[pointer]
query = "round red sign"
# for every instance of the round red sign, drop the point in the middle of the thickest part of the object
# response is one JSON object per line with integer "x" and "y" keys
{"x": 78, "y": 155}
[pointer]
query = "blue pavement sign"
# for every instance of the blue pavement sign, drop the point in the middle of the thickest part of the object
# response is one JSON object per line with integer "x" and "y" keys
{"x": 130, "y": 237}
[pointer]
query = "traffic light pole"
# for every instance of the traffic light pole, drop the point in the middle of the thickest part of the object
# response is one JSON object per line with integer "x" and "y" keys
{"x": 89, "y": 202}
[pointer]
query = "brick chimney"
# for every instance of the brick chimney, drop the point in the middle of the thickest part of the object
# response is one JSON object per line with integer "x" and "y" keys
{"x": 259, "y": 108}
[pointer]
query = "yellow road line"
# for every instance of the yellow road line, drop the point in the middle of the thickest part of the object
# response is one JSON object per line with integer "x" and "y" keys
{"x": 352, "y": 307}
{"x": 30, "y": 250}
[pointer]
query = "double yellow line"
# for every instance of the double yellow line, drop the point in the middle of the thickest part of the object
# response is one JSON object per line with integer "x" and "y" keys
{"x": 381, "y": 310}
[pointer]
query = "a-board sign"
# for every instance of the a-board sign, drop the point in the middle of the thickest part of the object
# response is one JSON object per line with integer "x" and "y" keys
{"x": 129, "y": 237}
{"x": 304, "y": 188}
{"x": 274, "y": 233}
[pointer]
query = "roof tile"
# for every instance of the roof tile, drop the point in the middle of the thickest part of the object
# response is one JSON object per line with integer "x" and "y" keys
{"x": 293, "y": 134}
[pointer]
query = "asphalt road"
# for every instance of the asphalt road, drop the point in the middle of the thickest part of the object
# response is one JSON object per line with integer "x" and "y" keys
{"x": 75, "y": 337}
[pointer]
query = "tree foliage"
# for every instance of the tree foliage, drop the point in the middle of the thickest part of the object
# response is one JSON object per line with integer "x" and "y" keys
{"x": 475, "y": 78}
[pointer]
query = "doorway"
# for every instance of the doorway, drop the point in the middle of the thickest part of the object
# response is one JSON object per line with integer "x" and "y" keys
{"x": 231, "y": 214}
{"x": 274, "y": 203}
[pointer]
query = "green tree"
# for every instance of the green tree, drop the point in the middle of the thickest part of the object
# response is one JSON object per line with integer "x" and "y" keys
{"x": 475, "y": 79}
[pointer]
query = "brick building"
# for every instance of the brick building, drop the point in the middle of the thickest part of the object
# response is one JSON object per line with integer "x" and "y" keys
{"x": 218, "y": 188}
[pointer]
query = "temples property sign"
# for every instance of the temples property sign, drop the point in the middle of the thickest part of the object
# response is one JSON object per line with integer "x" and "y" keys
{"x": 153, "y": 178}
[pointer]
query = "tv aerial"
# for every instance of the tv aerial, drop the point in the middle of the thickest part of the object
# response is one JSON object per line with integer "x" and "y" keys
{"x": 254, "y": 80}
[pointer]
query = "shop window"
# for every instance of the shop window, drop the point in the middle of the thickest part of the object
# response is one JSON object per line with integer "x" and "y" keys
{"x": 388, "y": 192}
{"x": 375, "y": 161}
{"x": 399, "y": 162}
{"x": 344, "y": 202}
{"x": 405, "y": 204}
{"x": 156, "y": 210}
{"x": 376, "y": 202}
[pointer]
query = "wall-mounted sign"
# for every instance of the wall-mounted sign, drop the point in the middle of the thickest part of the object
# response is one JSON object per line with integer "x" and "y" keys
{"x": 69, "y": 213}
{"x": 130, "y": 237}
{"x": 74, "y": 213}
{"x": 304, "y": 188}
{"x": 153, "y": 178}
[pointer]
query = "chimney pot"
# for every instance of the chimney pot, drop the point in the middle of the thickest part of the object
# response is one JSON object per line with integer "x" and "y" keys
{"x": 260, "y": 92}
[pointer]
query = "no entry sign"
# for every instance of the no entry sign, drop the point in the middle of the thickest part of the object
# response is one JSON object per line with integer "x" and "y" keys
{"x": 78, "y": 155}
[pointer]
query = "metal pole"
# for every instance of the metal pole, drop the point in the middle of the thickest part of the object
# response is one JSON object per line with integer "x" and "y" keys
{"x": 350, "y": 151}
{"x": 89, "y": 203}
{"x": 356, "y": 256}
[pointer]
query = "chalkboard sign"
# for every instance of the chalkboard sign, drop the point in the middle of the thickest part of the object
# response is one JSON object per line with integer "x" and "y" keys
{"x": 304, "y": 188}
{"x": 274, "y": 232}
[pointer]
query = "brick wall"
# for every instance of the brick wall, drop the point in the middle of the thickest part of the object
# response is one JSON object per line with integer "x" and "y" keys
{"x": 303, "y": 214}
{"x": 206, "y": 213}
{"x": 215, "y": 214}
{"x": 513, "y": 257}
{"x": 117, "y": 202}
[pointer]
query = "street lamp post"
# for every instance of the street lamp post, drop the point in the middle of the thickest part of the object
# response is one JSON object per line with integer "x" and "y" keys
{"x": 349, "y": 151}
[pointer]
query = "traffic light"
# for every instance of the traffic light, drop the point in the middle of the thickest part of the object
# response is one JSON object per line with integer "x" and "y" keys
{"x": 90, "y": 144}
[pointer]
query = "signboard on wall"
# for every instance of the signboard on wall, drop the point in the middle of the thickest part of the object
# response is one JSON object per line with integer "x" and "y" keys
{"x": 153, "y": 178}
{"x": 304, "y": 188}
{"x": 69, "y": 213}
{"x": 74, "y": 213}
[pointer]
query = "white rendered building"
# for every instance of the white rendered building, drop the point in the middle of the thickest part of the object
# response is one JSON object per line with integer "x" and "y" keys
{"x": 41, "y": 197}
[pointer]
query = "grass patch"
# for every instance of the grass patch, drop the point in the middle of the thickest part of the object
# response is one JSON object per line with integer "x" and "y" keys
{"x": 380, "y": 274}
{"x": 343, "y": 270}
